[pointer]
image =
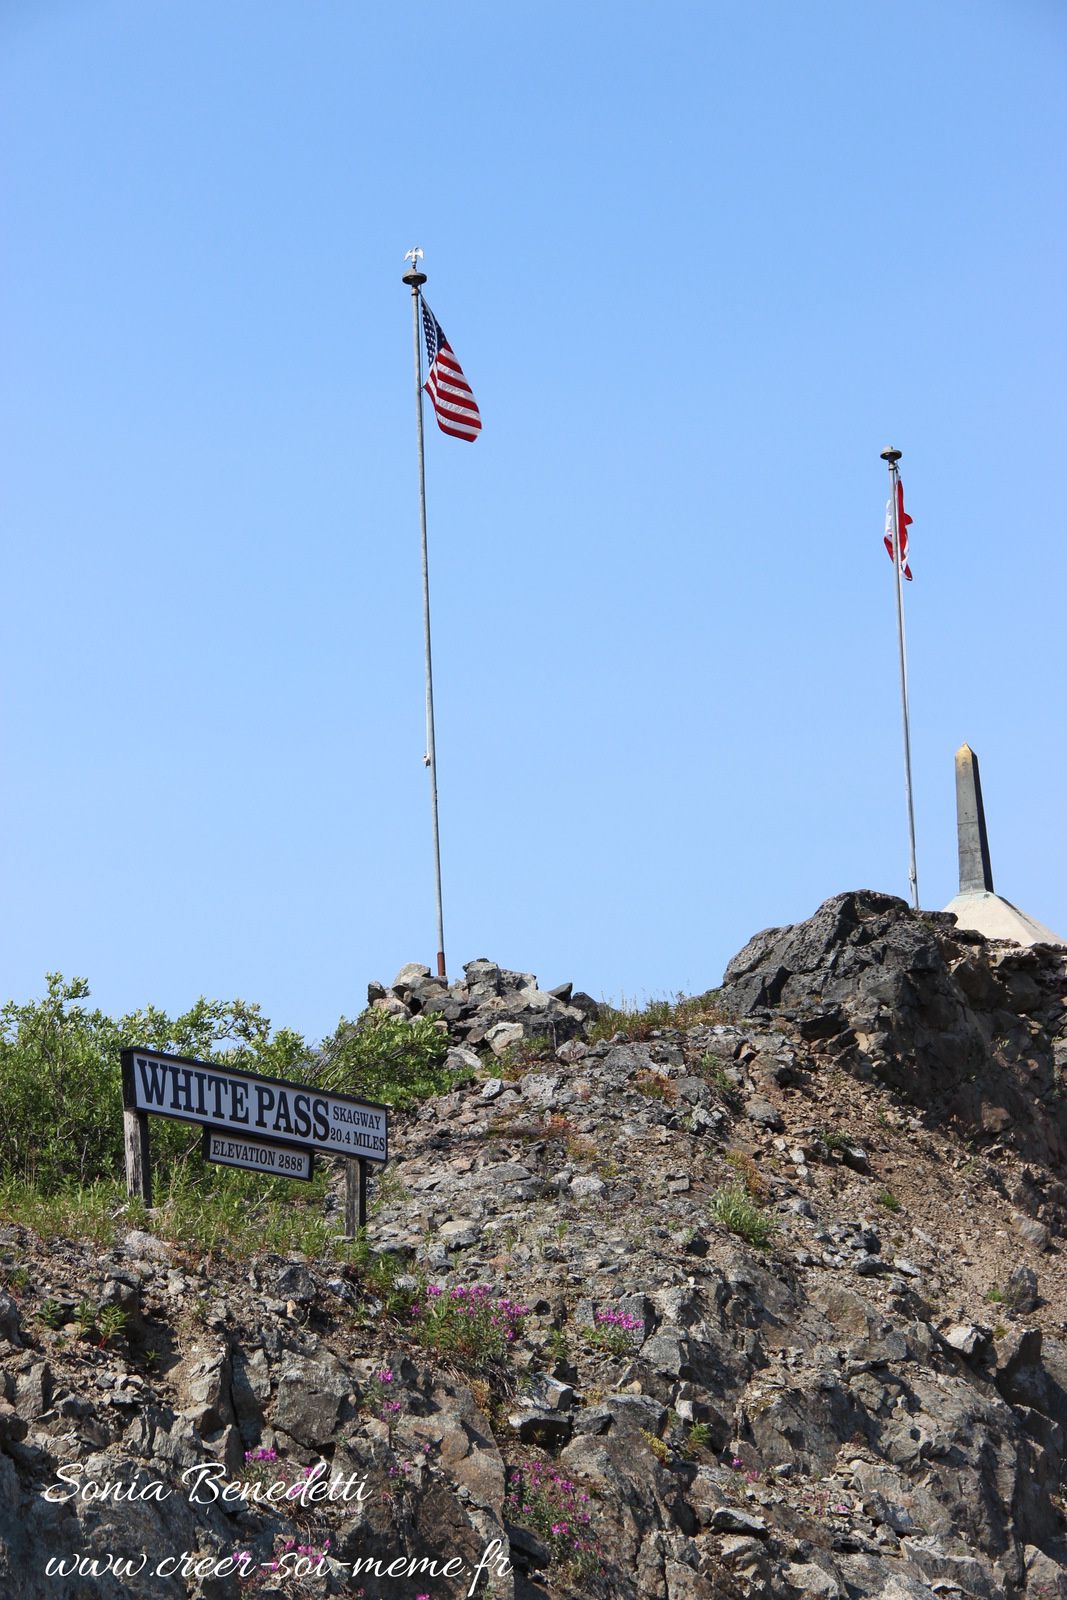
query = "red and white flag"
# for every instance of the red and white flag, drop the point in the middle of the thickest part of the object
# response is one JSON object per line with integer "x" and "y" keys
{"x": 453, "y": 401}
{"x": 903, "y": 523}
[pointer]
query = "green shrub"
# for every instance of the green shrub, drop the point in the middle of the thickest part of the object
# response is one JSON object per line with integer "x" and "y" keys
{"x": 61, "y": 1088}
{"x": 60, "y": 1075}
{"x": 735, "y": 1209}
{"x": 388, "y": 1058}
{"x": 62, "y": 1162}
{"x": 889, "y": 1200}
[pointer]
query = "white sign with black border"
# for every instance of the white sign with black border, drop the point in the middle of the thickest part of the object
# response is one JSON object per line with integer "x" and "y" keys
{"x": 275, "y": 1160}
{"x": 272, "y": 1110}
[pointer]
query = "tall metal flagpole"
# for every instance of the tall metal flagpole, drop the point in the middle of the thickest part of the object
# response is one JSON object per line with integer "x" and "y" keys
{"x": 415, "y": 279}
{"x": 891, "y": 457}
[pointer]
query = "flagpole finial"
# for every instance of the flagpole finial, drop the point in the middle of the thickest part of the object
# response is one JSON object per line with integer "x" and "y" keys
{"x": 414, "y": 277}
{"x": 891, "y": 455}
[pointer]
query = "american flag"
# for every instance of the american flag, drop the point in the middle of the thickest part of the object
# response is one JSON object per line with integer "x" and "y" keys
{"x": 903, "y": 523}
{"x": 455, "y": 405}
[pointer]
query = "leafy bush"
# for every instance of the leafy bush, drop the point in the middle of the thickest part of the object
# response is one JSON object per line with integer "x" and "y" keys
{"x": 62, "y": 1161}
{"x": 61, "y": 1085}
{"x": 60, "y": 1078}
{"x": 735, "y": 1209}
{"x": 388, "y": 1058}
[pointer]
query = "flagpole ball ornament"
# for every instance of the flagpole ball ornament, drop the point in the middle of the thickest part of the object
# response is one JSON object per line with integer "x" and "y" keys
{"x": 891, "y": 455}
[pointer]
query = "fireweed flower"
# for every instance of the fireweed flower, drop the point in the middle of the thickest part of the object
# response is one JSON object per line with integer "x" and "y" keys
{"x": 552, "y": 1505}
{"x": 467, "y": 1318}
{"x": 626, "y": 1320}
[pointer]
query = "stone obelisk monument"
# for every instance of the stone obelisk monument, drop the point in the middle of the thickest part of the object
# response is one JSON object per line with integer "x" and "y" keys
{"x": 977, "y": 906}
{"x": 976, "y": 874}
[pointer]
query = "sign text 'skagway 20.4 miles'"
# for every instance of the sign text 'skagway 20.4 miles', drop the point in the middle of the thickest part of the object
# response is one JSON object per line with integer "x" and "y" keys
{"x": 259, "y": 1108}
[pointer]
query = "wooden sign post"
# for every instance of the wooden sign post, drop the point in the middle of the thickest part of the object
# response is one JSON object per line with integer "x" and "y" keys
{"x": 138, "y": 1157}
{"x": 355, "y": 1196}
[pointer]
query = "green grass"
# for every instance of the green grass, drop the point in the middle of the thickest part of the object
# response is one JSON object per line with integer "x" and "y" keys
{"x": 712, "y": 1069}
{"x": 640, "y": 1022}
{"x": 733, "y": 1206}
{"x": 236, "y": 1218}
{"x": 16, "y": 1279}
{"x": 889, "y": 1200}
{"x": 698, "y": 1438}
{"x": 82, "y": 1211}
{"x": 653, "y": 1087}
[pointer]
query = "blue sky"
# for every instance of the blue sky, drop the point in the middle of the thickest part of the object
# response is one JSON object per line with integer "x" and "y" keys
{"x": 701, "y": 263}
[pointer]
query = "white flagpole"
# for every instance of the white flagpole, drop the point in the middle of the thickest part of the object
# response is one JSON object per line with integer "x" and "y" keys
{"x": 415, "y": 279}
{"x": 891, "y": 457}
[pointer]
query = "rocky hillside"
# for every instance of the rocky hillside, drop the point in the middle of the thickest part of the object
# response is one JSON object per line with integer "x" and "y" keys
{"x": 768, "y": 1300}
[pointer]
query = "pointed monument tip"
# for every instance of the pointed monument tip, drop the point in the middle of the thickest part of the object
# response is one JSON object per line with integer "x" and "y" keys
{"x": 976, "y": 873}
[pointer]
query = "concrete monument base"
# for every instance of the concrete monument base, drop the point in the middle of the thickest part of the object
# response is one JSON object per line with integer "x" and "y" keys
{"x": 996, "y": 918}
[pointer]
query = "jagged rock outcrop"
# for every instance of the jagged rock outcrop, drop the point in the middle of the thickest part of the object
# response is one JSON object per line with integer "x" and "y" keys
{"x": 787, "y": 1304}
{"x": 970, "y": 1029}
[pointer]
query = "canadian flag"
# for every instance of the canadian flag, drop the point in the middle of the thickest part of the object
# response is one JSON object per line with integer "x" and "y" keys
{"x": 903, "y": 524}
